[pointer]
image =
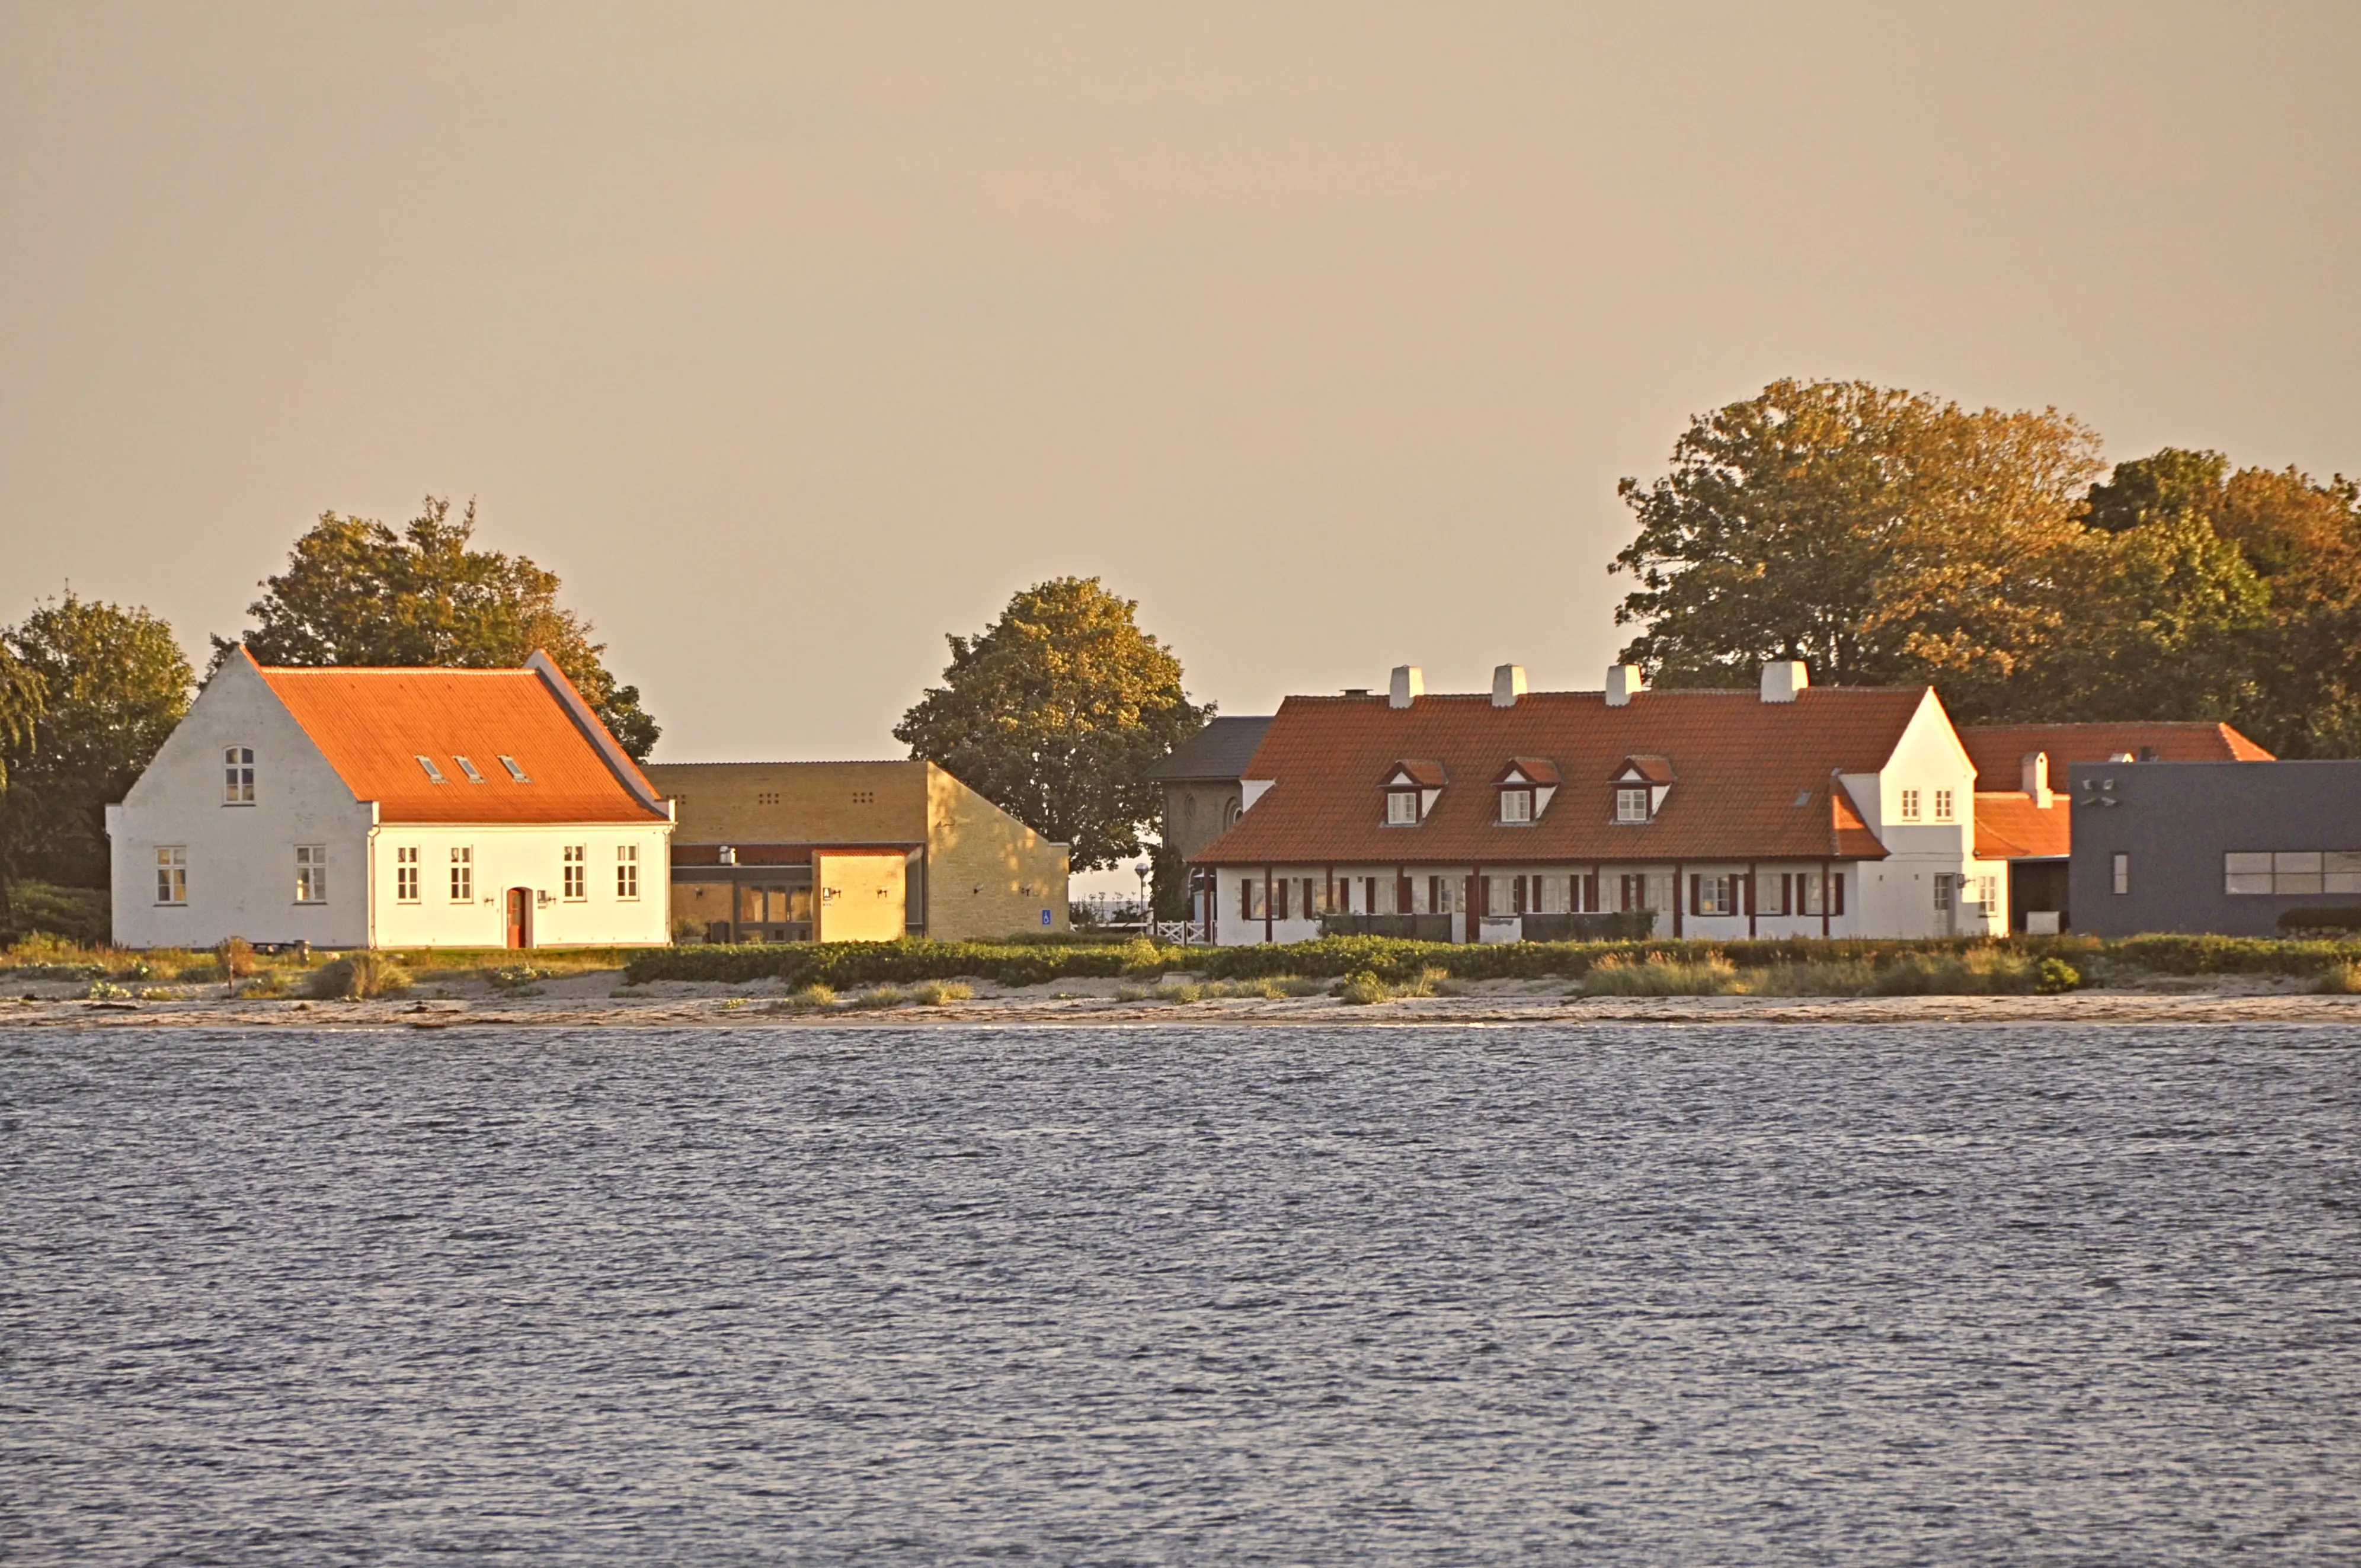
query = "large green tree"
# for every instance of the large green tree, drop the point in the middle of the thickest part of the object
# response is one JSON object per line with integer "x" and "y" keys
{"x": 1054, "y": 711}
{"x": 114, "y": 683}
{"x": 1879, "y": 535}
{"x": 355, "y": 592}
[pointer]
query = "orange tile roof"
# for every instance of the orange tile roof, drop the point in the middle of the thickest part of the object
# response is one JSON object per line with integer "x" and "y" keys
{"x": 2009, "y": 826}
{"x": 1998, "y": 751}
{"x": 372, "y": 725}
{"x": 1750, "y": 780}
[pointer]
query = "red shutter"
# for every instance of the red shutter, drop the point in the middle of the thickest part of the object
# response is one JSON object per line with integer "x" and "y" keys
{"x": 1695, "y": 888}
{"x": 1246, "y": 898}
{"x": 1278, "y": 899}
{"x": 1836, "y": 893}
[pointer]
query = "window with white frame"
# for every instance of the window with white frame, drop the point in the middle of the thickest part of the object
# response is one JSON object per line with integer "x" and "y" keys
{"x": 311, "y": 873}
{"x": 627, "y": 871}
{"x": 463, "y": 875}
{"x": 468, "y": 768}
{"x": 1401, "y": 807}
{"x": 2292, "y": 871}
{"x": 1987, "y": 890}
{"x": 1632, "y": 803}
{"x": 1943, "y": 880}
{"x": 515, "y": 767}
{"x": 1909, "y": 805}
{"x": 578, "y": 872}
{"x": 1516, "y": 805}
{"x": 1714, "y": 895}
{"x": 1942, "y": 806}
{"x": 171, "y": 873}
{"x": 434, "y": 773}
{"x": 2120, "y": 872}
{"x": 238, "y": 775}
{"x": 405, "y": 875}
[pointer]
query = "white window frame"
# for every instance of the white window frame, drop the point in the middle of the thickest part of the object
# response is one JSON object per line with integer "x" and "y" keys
{"x": 1943, "y": 806}
{"x": 1401, "y": 809}
{"x": 577, "y": 872}
{"x": 405, "y": 873}
{"x": 1631, "y": 802}
{"x": 1717, "y": 895}
{"x": 172, "y": 875}
{"x": 311, "y": 873}
{"x": 515, "y": 767}
{"x": 2120, "y": 872}
{"x": 1909, "y": 805}
{"x": 463, "y": 874}
{"x": 468, "y": 768}
{"x": 627, "y": 871}
{"x": 1517, "y": 806}
{"x": 238, "y": 775}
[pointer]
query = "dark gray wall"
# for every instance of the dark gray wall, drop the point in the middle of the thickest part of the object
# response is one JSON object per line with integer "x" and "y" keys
{"x": 2177, "y": 819}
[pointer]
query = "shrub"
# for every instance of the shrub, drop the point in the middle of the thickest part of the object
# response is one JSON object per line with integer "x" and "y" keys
{"x": 1845, "y": 977}
{"x": 236, "y": 955}
{"x": 1661, "y": 975}
{"x": 809, "y": 999}
{"x": 1362, "y": 988}
{"x": 882, "y": 996}
{"x": 942, "y": 993}
{"x": 104, "y": 991}
{"x": 1979, "y": 971}
{"x": 77, "y": 916}
{"x": 2344, "y": 980}
{"x": 2326, "y": 918}
{"x": 2056, "y": 977}
{"x": 358, "y": 977}
{"x": 514, "y": 976}
{"x": 57, "y": 971}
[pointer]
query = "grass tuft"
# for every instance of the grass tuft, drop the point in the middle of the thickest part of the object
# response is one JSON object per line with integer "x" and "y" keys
{"x": 357, "y": 977}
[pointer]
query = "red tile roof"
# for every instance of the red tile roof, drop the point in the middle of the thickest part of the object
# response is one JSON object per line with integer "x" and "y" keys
{"x": 1536, "y": 769}
{"x": 373, "y": 725}
{"x": 1750, "y": 780}
{"x": 2009, "y": 826}
{"x": 1423, "y": 771}
{"x": 1998, "y": 751}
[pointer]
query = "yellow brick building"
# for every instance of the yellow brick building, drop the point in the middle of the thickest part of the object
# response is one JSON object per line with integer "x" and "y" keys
{"x": 850, "y": 852}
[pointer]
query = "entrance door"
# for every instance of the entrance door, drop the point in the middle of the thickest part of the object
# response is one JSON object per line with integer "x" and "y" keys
{"x": 520, "y": 918}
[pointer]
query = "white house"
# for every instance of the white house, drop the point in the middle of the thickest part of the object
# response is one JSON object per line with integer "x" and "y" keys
{"x": 1786, "y": 811}
{"x": 391, "y": 809}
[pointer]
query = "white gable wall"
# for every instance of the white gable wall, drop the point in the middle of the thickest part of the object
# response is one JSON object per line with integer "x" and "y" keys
{"x": 1897, "y": 894}
{"x": 241, "y": 859}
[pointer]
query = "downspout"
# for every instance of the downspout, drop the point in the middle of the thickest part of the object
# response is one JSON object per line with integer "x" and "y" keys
{"x": 1680, "y": 895}
{"x": 1266, "y": 905}
{"x": 368, "y": 880}
{"x": 1750, "y": 898}
{"x": 1824, "y": 896}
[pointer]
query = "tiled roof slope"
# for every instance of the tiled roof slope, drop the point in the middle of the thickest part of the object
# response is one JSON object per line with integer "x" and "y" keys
{"x": 1752, "y": 779}
{"x": 373, "y": 724}
{"x": 1220, "y": 751}
{"x": 2009, "y": 826}
{"x": 1998, "y": 751}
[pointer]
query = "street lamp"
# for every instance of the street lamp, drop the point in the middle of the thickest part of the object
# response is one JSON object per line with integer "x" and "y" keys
{"x": 1140, "y": 871}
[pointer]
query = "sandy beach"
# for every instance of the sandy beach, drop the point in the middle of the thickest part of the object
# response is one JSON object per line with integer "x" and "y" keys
{"x": 600, "y": 999}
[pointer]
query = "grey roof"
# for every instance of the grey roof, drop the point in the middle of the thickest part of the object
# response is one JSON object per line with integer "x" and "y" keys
{"x": 1220, "y": 751}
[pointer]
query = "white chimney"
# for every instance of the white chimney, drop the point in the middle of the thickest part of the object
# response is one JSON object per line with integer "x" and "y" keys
{"x": 1408, "y": 683}
{"x": 1783, "y": 678}
{"x": 2036, "y": 772}
{"x": 1508, "y": 685}
{"x": 1622, "y": 682}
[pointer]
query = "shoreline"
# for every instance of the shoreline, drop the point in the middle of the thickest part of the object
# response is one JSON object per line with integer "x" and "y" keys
{"x": 598, "y": 1000}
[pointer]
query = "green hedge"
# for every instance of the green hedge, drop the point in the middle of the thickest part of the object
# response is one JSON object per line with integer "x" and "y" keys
{"x": 80, "y": 914}
{"x": 841, "y": 964}
{"x": 2320, "y": 917}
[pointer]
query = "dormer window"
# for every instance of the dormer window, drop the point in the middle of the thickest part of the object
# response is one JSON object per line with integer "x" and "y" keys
{"x": 1412, "y": 786}
{"x": 468, "y": 768}
{"x": 516, "y": 768}
{"x": 434, "y": 773}
{"x": 1641, "y": 785}
{"x": 1525, "y": 786}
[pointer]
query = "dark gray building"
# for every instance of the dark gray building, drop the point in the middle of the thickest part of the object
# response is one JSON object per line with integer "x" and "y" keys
{"x": 2222, "y": 846}
{"x": 1202, "y": 782}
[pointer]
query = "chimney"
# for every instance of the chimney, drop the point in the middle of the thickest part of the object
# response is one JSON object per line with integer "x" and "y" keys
{"x": 1783, "y": 678}
{"x": 1508, "y": 685}
{"x": 1409, "y": 684}
{"x": 2036, "y": 773}
{"x": 1622, "y": 681}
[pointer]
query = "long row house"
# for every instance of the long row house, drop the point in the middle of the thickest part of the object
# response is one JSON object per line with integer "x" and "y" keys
{"x": 1789, "y": 810}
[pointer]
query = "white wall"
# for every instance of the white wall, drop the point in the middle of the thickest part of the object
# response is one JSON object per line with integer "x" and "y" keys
{"x": 241, "y": 858}
{"x": 529, "y": 856}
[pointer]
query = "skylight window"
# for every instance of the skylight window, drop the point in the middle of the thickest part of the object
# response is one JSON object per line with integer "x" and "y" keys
{"x": 468, "y": 768}
{"x": 516, "y": 769}
{"x": 432, "y": 773}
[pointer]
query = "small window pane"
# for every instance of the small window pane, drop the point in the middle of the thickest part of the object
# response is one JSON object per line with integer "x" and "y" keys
{"x": 2341, "y": 861}
{"x": 2303, "y": 862}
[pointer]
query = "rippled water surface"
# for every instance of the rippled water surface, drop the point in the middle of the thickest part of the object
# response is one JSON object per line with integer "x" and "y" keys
{"x": 1637, "y": 1294}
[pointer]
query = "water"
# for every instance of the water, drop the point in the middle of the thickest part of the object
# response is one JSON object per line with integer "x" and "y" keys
{"x": 1668, "y": 1294}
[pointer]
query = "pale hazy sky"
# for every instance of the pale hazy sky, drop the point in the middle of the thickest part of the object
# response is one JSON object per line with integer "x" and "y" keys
{"x": 794, "y": 337}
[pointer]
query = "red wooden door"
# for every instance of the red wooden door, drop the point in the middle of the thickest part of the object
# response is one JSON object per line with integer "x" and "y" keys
{"x": 519, "y": 917}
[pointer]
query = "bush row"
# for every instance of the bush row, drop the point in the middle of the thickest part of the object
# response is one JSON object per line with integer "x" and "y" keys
{"x": 1397, "y": 961}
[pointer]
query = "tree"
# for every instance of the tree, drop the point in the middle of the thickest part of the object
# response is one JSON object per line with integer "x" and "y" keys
{"x": 1054, "y": 711}
{"x": 356, "y": 593}
{"x": 115, "y": 683}
{"x": 1879, "y": 535}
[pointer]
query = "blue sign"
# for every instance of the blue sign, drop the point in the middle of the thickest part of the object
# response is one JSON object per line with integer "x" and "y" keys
{"x": 1045, "y": 918}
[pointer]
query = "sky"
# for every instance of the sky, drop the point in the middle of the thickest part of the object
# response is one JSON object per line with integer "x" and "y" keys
{"x": 793, "y": 338}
